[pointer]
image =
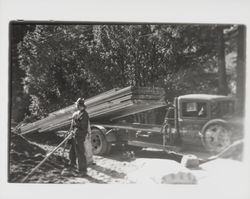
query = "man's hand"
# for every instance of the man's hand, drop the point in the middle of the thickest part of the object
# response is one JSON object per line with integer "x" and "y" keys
{"x": 72, "y": 134}
{"x": 88, "y": 136}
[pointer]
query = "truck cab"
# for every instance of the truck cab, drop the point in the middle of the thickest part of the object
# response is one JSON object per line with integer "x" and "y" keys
{"x": 206, "y": 121}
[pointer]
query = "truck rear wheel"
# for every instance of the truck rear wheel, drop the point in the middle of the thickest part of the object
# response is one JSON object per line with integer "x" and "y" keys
{"x": 216, "y": 136}
{"x": 99, "y": 143}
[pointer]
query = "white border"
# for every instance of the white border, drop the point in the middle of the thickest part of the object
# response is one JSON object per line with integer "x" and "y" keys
{"x": 176, "y": 11}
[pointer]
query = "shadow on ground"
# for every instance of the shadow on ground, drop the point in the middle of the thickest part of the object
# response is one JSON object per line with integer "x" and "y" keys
{"x": 121, "y": 154}
{"x": 109, "y": 172}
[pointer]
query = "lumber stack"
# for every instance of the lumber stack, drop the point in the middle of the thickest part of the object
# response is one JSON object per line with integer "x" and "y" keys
{"x": 124, "y": 102}
{"x": 109, "y": 105}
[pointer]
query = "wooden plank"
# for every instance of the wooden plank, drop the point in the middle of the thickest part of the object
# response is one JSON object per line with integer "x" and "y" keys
{"x": 109, "y": 110}
{"x": 128, "y": 109}
{"x": 56, "y": 126}
{"x": 135, "y": 110}
{"x": 126, "y": 93}
{"x": 118, "y": 93}
{"x": 56, "y": 121}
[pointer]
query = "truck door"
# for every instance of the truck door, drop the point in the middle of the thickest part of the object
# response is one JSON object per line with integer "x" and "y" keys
{"x": 192, "y": 116}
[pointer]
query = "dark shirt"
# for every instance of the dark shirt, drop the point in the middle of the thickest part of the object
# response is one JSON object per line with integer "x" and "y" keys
{"x": 80, "y": 123}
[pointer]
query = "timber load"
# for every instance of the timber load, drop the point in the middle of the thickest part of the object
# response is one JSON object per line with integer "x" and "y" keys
{"x": 110, "y": 105}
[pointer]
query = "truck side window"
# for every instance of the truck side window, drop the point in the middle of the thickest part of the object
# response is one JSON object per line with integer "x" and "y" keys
{"x": 194, "y": 109}
{"x": 222, "y": 108}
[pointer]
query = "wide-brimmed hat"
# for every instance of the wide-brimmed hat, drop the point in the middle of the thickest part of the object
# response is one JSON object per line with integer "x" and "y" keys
{"x": 80, "y": 102}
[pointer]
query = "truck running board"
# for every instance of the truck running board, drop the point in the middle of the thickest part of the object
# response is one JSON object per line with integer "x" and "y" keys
{"x": 152, "y": 145}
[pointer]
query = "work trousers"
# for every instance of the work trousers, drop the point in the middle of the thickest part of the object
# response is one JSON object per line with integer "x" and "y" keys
{"x": 77, "y": 151}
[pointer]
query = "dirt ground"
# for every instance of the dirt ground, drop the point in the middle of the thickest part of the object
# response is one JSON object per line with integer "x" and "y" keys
{"x": 109, "y": 169}
{"x": 26, "y": 154}
{"x": 116, "y": 168}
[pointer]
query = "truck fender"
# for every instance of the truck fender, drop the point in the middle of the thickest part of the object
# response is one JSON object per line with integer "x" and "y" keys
{"x": 219, "y": 121}
{"x": 109, "y": 134}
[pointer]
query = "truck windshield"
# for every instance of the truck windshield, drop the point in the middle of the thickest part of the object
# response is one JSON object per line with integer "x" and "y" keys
{"x": 222, "y": 108}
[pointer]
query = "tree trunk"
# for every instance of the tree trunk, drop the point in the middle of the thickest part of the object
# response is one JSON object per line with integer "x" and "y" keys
{"x": 241, "y": 70}
{"x": 223, "y": 87}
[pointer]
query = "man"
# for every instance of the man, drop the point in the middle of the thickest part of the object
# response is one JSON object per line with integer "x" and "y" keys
{"x": 79, "y": 125}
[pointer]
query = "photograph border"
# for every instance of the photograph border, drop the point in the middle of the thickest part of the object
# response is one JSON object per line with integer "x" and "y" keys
{"x": 7, "y": 10}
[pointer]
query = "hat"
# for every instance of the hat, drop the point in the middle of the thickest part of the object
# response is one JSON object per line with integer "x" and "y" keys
{"x": 80, "y": 102}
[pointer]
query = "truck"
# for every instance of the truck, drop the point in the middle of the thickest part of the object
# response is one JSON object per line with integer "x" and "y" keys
{"x": 196, "y": 121}
{"x": 202, "y": 122}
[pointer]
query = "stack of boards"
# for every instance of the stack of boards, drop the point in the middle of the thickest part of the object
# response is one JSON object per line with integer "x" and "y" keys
{"x": 107, "y": 106}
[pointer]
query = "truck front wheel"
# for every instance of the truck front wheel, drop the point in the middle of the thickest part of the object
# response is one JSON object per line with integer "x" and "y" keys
{"x": 100, "y": 145}
{"x": 216, "y": 136}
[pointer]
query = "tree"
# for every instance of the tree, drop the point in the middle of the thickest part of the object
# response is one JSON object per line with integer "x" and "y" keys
{"x": 54, "y": 60}
{"x": 127, "y": 53}
{"x": 64, "y": 62}
{"x": 170, "y": 56}
{"x": 19, "y": 99}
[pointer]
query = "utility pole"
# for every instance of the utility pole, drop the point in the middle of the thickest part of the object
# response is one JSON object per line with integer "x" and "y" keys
{"x": 241, "y": 70}
{"x": 223, "y": 87}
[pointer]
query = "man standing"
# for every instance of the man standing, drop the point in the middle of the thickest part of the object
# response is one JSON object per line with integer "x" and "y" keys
{"x": 79, "y": 126}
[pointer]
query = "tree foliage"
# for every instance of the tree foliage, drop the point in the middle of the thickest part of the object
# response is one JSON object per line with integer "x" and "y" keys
{"x": 55, "y": 59}
{"x": 64, "y": 62}
{"x": 19, "y": 99}
{"x": 171, "y": 56}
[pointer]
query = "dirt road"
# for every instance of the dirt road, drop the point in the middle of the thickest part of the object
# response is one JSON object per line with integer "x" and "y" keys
{"x": 109, "y": 169}
{"x": 26, "y": 154}
{"x": 121, "y": 166}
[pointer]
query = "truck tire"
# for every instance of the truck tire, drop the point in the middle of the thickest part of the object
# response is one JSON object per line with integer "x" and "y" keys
{"x": 216, "y": 136}
{"x": 99, "y": 143}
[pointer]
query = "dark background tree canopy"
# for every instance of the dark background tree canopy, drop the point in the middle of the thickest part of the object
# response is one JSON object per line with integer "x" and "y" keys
{"x": 53, "y": 65}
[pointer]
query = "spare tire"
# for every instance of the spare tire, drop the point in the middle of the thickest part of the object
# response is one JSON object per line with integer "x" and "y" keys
{"x": 99, "y": 143}
{"x": 216, "y": 135}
